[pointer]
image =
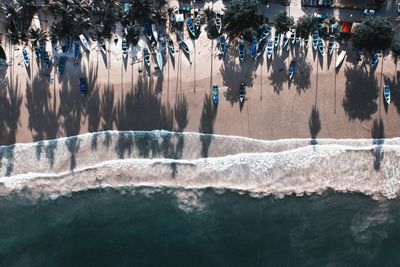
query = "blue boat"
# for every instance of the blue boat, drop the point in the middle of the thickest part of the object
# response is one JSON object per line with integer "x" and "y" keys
{"x": 147, "y": 31}
{"x": 261, "y": 47}
{"x": 265, "y": 33}
{"x": 215, "y": 95}
{"x": 375, "y": 60}
{"x": 25, "y": 56}
{"x": 315, "y": 39}
{"x": 241, "y": 52}
{"x": 386, "y": 93}
{"x": 82, "y": 86}
{"x": 37, "y": 53}
{"x": 222, "y": 46}
{"x": 190, "y": 27}
{"x": 292, "y": 69}
{"x": 41, "y": 48}
{"x": 67, "y": 46}
{"x": 61, "y": 65}
{"x": 46, "y": 59}
{"x": 76, "y": 51}
{"x": 254, "y": 49}
{"x": 285, "y": 41}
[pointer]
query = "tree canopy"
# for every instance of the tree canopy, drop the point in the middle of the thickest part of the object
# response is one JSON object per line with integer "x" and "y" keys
{"x": 373, "y": 33}
{"x": 306, "y": 25}
{"x": 241, "y": 15}
{"x": 283, "y": 22}
{"x": 395, "y": 48}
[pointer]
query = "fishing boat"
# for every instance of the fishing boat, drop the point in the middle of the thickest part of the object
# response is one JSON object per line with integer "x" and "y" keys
{"x": 46, "y": 59}
{"x": 197, "y": 23}
{"x": 321, "y": 46}
{"x": 297, "y": 39}
{"x": 36, "y": 22}
{"x": 159, "y": 58}
{"x": 375, "y": 60}
{"x": 261, "y": 47}
{"x": 154, "y": 31}
{"x": 222, "y": 46}
{"x": 292, "y": 37}
{"x": 269, "y": 48}
{"x": 147, "y": 31}
{"x": 146, "y": 56}
{"x": 37, "y": 52}
{"x": 41, "y": 47}
{"x": 184, "y": 47}
{"x": 285, "y": 41}
{"x": 340, "y": 58}
{"x": 241, "y": 52}
{"x": 254, "y": 49}
{"x": 67, "y": 45}
{"x": 292, "y": 69}
{"x": 265, "y": 33}
{"x": 315, "y": 37}
{"x": 161, "y": 38}
{"x": 218, "y": 22}
{"x": 61, "y": 65}
{"x": 242, "y": 92}
{"x": 306, "y": 40}
{"x": 331, "y": 44}
{"x": 102, "y": 45}
{"x": 190, "y": 27}
{"x": 124, "y": 47}
{"x": 386, "y": 93}
{"x": 276, "y": 39}
{"x": 76, "y": 51}
{"x": 54, "y": 45}
{"x": 215, "y": 93}
{"x": 171, "y": 48}
{"x": 84, "y": 42}
{"x": 25, "y": 57}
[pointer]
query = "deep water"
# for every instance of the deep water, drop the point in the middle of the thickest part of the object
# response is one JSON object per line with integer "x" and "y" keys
{"x": 110, "y": 228}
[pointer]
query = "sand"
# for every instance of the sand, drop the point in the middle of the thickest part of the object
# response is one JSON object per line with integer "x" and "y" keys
{"x": 123, "y": 96}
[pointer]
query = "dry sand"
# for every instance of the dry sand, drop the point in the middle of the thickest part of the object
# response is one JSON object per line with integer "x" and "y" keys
{"x": 122, "y": 96}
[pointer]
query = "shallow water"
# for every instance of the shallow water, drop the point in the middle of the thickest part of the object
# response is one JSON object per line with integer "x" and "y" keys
{"x": 144, "y": 227}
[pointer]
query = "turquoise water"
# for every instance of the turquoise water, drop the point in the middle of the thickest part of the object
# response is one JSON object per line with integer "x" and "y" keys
{"x": 111, "y": 228}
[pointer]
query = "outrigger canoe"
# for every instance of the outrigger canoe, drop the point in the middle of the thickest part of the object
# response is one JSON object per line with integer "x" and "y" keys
{"x": 386, "y": 93}
{"x": 315, "y": 37}
{"x": 146, "y": 56}
{"x": 265, "y": 33}
{"x": 218, "y": 22}
{"x": 269, "y": 49}
{"x": 25, "y": 57}
{"x": 190, "y": 27}
{"x": 340, "y": 58}
{"x": 185, "y": 48}
{"x": 242, "y": 92}
{"x": 84, "y": 42}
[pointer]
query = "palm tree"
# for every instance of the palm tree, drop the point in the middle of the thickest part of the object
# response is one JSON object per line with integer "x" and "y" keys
{"x": 36, "y": 35}
{"x": 132, "y": 34}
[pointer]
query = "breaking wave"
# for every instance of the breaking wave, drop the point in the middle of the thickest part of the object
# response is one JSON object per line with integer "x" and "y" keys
{"x": 161, "y": 159}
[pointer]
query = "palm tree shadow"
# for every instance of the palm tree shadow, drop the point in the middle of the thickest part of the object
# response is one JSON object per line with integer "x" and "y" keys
{"x": 302, "y": 78}
{"x": 207, "y": 120}
{"x": 181, "y": 112}
{"x": 378, "y": 135}
{"x": 105, "y": 59}
{"x": 159, "y": 83}
{"x": 314, "y": 124}
{"x": 361, "y": 93}
{"x": 279, "y": 74}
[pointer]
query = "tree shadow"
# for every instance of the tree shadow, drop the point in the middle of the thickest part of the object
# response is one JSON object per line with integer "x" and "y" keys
{"x": 233, "y": 74}
{"x": 207, "y": 120}
{"x": 361, "y": 93}
{"x": 378, "y": 135}
{"x": 93, "y": 101}
{"x": 159, "y": 83}
{"x": 181, "y": 112}
{"x": 279, "y": 73}
{"x": 314, "y": 124}
{"x": 302, "y": 79}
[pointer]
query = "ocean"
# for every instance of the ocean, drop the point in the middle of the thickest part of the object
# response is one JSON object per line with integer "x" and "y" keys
{"x": 147, "y": 227}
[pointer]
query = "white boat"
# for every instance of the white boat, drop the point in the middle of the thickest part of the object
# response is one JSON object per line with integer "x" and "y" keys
{"x": 269, "y": 48}
{"x": 242, "y": 92}
{"x": 315, "y": 40}
{"x": 36, "y": 22}
{"x": 340, "y": 58}
{"x": 386, "y": 93}
{"x": 84, "y": 42}
{"x": 146, "y": 56}
{"x": 276, "y": 39}
{"x": 125, "y": 48}
{"x": 155, "y": 32}
{"x": 159, "y": 60}
{"x": 197, "y": 24}
{"x": 331, "y": 44}
{"x": 321, "y": 46}
{"x": 292, "y": 69}
{"x": 218, "y": 22}
{"x": 102, "y": 45}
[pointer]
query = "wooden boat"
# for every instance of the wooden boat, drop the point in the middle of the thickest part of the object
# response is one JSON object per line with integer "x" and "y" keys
{"x": 276, "y": 39}
{"x": 218, "y": 22}
{"x": 285, "y": 41}
{"x": 292, "y": 37}
{"x": 171, "y": 48}
{"x": 76, "y": 51}
{"x": 265, "y": 33}
{"x": 241, "y": 52}
{"x": 25, "y": 57}
{"x": 159, "y": 58}
{"x": 297, "y": 39}
{"x": 154, "y": 31}
{"x": 102, "y": 44}
{"x": 222, "y": 46}
{"x": 261, "y": 47}
{"x": 321, "y": 46}
{"x": 386, "y": 93}
{"x": 375, "y": 60}
{"x": 197, "y": 23}
{"x": 146, "y": 56}
{"x": 254, "y": 49}
{"x": 269, "y": 48}
{"x": 306, "y": 40}
{"x": 161, "y": 38}
{"x": 331, "y": 44}
{"x": 61, "y": 65}
{"x": 147, "y": 31}
{"x": 340, "y": 58}
{"x": 315, "y": 37}
{"x": 190, "y": 27}
{"x": 124, "y": 47}
{"x": 242, "y": 92}
{"x": 46, "y": 59}
{"x": 84, "y": 42}
{"x": 36, "y": 22}
{"x": 184, "y": 47}
{"x": 292, "y": 69}
{"x": 215, "y": 94}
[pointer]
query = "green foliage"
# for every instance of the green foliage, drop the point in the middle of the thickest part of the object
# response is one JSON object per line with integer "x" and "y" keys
{"x": 211, "y": 28}
{"x": 241, "y": 15}
{"x": 283, "y": 22}
{"x": 373, "y": 33}
{"x": 132, "y": 34}
{"x": 306, "y": 25}
{"x": 395, "y": 48}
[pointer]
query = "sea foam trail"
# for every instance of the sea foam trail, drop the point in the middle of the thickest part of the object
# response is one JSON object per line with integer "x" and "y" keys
{"x": 177, "y": 160}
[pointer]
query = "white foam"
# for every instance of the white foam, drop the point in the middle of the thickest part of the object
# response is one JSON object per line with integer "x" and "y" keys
{"x": 162, "y": 159}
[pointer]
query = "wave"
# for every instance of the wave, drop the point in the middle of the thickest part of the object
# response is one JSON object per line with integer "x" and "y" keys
{"x": 161, "y": 159}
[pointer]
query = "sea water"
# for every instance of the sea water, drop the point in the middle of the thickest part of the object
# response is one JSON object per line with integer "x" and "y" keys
{"x": 146, "y": 227}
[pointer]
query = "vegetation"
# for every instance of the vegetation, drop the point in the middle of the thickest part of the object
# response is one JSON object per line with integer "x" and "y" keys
{"x": 395, "y": 48}
{"x": 241, "y": 15}
{"x": 306, "y": 25}
{"x": 373, "y": 33}
{"x": 283, "y": 22}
